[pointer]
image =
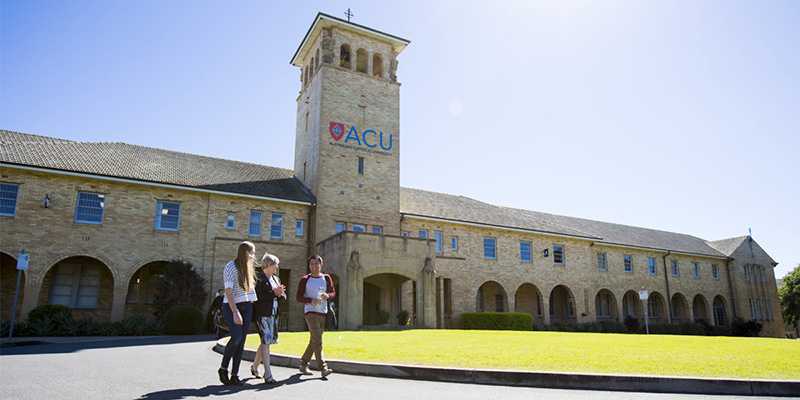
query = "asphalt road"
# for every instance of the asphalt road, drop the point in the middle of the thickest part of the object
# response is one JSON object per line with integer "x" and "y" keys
{"x": 185, "y": 368}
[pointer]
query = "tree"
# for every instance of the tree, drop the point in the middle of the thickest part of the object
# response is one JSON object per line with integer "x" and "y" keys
{"x": 181, "y": 286}
{"x": 789, "y": 294}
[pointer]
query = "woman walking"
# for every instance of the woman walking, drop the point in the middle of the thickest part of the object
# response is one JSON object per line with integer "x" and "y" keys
{"x": 269, "y": 290}
{"x": 238, "y": 278}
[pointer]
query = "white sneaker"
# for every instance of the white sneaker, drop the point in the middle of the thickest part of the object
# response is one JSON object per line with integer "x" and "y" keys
{"x": 304, "y": 370}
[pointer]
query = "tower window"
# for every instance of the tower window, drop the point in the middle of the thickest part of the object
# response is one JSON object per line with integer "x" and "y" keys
{"x": 344, "y": 56}
{"x": 361, "y": 165}
{"x": 377, "y": 65}
{"x": 361, "y": 60}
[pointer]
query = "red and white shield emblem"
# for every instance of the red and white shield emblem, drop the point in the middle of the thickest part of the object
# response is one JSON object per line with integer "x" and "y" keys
{"x": 337, "y": 130}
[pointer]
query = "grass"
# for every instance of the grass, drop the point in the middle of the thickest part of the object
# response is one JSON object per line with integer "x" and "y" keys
{"x": 668, "y": 355}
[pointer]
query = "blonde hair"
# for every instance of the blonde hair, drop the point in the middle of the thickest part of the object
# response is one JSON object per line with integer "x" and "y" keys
{"x": 244, "y": 266}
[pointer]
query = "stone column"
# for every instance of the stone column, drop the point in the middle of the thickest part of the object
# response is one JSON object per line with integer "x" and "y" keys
{"x": 428, "y": 294}
{"x": 352, "y": 302}
{"x": 118, "y": 304}
{"x": 30, "y": 299}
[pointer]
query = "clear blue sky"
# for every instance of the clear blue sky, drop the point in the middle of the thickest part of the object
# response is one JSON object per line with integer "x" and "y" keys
{"x": 675, "y": 115}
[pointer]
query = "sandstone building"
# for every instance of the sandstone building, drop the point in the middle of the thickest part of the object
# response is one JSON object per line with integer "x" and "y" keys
{"x": 99, "y": 220}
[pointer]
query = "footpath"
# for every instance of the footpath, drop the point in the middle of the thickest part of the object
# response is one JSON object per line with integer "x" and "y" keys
{"x": 554, "y": 380}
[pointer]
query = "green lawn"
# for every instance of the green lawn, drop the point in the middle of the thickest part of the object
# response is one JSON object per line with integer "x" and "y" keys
{"x": 699, "y": 356}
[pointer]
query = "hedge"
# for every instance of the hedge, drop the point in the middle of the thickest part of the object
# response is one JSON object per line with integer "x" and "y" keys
{"x": 497, "y": 321}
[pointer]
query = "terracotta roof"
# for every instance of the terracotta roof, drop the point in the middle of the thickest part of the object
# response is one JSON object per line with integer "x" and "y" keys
{"x": 121, "y": 160}
{"x": 463, "y": 209}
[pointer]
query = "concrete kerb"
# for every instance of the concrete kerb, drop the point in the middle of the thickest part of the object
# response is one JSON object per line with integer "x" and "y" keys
{"x": 553, "y": 380}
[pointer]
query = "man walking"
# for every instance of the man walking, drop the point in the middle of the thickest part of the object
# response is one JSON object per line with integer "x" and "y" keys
{"x": 314, "y": 290}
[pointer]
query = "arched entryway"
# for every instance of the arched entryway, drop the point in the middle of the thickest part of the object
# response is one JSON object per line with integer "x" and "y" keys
{"x": 605, "y": 304}
{"x": 562, "y": 305}
{"x": 720, "y": 315}
{"x": 141, "y": 289}
{"x": 630, "y": 306}
{"x": 657, "y": 309}
{"x": 82, "y": 283}
{"x": 700, "y": 308}
{"x": 386, "y": 293}
{"x": 528, "y": 300}
{"x": 678, "y": 308}
{"x": 491, "y": 297}
{"x": 8, "y": 287}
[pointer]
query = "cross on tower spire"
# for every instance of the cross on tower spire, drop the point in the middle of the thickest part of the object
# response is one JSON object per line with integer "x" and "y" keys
{"x": 348, "y": 14}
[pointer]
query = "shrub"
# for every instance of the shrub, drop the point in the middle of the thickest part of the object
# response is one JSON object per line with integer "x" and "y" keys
{"x": 184, "y": 320}
{"x": 720, "y": 331}
{"x": 632, "y": 323}
{"x": 693, "y": 328}
{"x": 585, "y": 327}
{"x": 382, "y": 317}
{"x": 403, "y": 317}
{"x": 613, "y": 327}
{"x": 181, "y": 286}
{"x": 47, "y": 310}
{"x": 746, "y": 328}
{"x": 65, "y": 325}
{"x": 544, "y": 328}
{"x": 43, "y": 326}
{"x": 708, "y": 327}
{"x": 497, "y": 321}
{"x": 135, "y": 325}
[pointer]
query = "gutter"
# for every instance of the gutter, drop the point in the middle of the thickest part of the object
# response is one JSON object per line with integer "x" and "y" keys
{"x": 730, "y": 287}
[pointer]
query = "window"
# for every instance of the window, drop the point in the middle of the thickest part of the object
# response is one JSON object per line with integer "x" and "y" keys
{"x": 133, "y": 289}
{"x": 361, "y": 165}
{"x": 629, "y": 303}
{"x": 695, "y": 270}
{"x": 769, "y": 307}
{"x": 758, "y": 306}
{"x": 438, "y": 237}
{"x": 676, "y": 310}
{"x": 298, "y": 227}
{"x": 651, "y": 263}
{"x": 675, "y": 271}
{"x": 760, "y": 274}
{"x": 276, "y": 226}
{"x": 602, "y": 265}
{"x": 255, "y": 223}
{"x": 628, "y": 263}
{"x": 89, "y": 209}
{"x": 344, "y": 56}
{"x": 746, "y": 275}
{"x": 652, "y": 307}
{"x": 525, "y": 251}
{"x": 377, "y": 229}
{"x": 168, "y": 216}
{"x": 155, "y": 275}
{"x": 405, "y": 234}
{"x": 423, "y": 234}
{"x": 558, "y": 255}
{"x": 8, "y": 199}
{"x": 377, "y": 65}
{"x": 603, "y": 305}
{"x": 361, "y": 60}
{"x": 715, "y": 271}
{"x": 489, "y": 245}
{"x": 75, "y": 285}
{"x": 340, "y": 226}
{"x": 359, "y": 228}
{"x": 230, "y": 221}
{"x": 454, "y": 243}
{"x": 752, "y": 310}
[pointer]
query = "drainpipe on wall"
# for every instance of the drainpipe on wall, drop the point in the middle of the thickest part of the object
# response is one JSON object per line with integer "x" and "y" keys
{"x": 730, "y": 286}
{"x": 666, "y": 279}
{"x": 311, "y": 235}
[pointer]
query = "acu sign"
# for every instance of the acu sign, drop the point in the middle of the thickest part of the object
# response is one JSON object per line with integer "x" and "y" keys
{"x": 368, "y": 138}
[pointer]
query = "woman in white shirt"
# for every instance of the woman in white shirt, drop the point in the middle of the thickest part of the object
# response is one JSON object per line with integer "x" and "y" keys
{"x": 239, "y": 279}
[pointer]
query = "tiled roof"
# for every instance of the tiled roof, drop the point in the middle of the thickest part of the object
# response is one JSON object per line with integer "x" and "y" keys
{"x": 728, "y": 246}
{"x": 459, "y": 208}
{"x": 121, "y": 160}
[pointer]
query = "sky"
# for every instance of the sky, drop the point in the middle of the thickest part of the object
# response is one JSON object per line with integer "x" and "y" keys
{"x": 676, "y": 115}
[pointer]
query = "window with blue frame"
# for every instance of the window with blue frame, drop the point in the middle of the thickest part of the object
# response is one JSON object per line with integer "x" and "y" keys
{"x": 168, "y": 216}
{"x": 377, "y": 229}
{"x": 230, "y": 221}
{"x": 276, "y": 226}
{"x": 8, "y": 199}
{"x": 90, "y": 208}
{"x": 558, "y": 254}
{"x": 423, "y": 234}
{"x": 651, "y": 263}
{"x": 255, "y": 224}
{"x": 340, "y": 226}
{"x": 438, "y": 237}
{"x": 490, "y": 248}
{"x": 628, "y": 263}
{"x": 359, "y": 228}
{"x": 454, "y": 243}
{"x": 525, "y": 251}
{"x": 298, "y": 228}
{"x": 602, "y": 263}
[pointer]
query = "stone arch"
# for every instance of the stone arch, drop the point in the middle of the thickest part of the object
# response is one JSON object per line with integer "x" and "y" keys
{"x": 305, "y": 76}
{"x": 528, "y": 299}
{"x": 720, "y": 312}
{"x": 377, "y": 65}
{"x": 141, "y": 282}
{"x": 39, "y": 278}
{"x": 344, "y": 56}
{"x": 700, "y": 308}
{"x": 657, "y": 308}
{"x": 311, "y": 68}
{"x": 8, "y": 286}
{"x": 491, "y": 297}
{"x": 316, "y": 66}
{"x": 631, "y": 306}
{"x": 562, "y": 304}
{"x": 679, "y": 309}
{"x": 605, "y": 305}
{"x": 361, "y": 60}
{"x": 83, "y": 283}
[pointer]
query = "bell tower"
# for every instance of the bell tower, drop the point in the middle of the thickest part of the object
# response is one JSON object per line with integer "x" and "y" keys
{"x": 347, "y": 141}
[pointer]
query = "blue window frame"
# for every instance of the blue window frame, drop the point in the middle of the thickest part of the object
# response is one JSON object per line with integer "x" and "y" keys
{"x": 490, "y": 248}
{"x": 715, "y": 271}
{"x": 628, "y": 263}
{"x": 377, "y": 229}
{"x": 602, "y": 263}
{"x": 168, "y": 216}
{"x": 298, "y": 228}
{"x": 8, "y": 199}
{"x": 405, "y": 234}
{"x": 651, "y": 263}
{"x": 675, "y": 271}
{"x": 438, "y": 237}
{"x": 423, "y": 234}
{"x": 359, "y": 228}
{"x": 276, "y": 226}
{"x": 454, "y": 243}
{"x": 525, "y": 251}
{"x": 90, "y": 207}
{"x": 695, "y": 270}
{"x": 230, "y": 221}
{"x": 558, "y": 254}
{"x": 255, "y": 224}
{"x": 340, "y": 226}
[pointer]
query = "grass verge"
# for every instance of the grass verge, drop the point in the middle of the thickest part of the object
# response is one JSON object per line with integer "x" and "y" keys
{"x": 667, "y": 355}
